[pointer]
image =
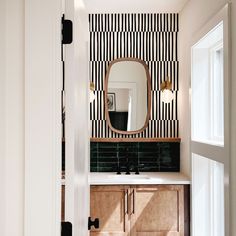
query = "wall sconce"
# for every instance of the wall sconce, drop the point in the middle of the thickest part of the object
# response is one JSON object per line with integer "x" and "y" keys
{"x": 167, "y": 94}
{"x": 91, "y": 94}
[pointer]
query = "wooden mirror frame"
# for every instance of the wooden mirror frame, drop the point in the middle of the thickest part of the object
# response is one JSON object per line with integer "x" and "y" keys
{"x": 148, "y": 94}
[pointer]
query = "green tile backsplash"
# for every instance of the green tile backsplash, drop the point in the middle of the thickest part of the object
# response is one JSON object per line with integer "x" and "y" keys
{"x": 148, "y": 156}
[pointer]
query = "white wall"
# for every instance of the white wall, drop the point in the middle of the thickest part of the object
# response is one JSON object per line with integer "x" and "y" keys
{"x": 2, "y": 114}
{"x": 12, "y": 108}
{"x": 192, "y": 18}
{"x": 122, "y": 98}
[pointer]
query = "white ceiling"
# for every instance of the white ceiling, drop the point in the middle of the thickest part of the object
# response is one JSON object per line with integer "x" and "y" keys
{"x": 134, "y": 6}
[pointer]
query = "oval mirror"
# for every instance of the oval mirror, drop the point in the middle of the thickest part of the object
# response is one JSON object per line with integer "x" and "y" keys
{"x": 127, "y": 93}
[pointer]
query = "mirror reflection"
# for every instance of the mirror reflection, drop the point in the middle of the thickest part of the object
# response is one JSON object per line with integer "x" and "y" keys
{"x": 127, "y": 95}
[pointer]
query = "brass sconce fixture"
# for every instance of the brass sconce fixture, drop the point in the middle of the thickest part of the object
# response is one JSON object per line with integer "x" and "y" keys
{"x": 167, "y": 94}
{"x": 91, "y": 94}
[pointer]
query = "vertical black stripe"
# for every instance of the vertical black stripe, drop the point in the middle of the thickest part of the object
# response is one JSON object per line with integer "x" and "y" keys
{"x": 177, "y": 76}
{"x": 177, "y": 22}
{"x": 161, "y": 26}
{"x": 137, "y": 43}
{"x": 120, "y": 45}
{"x": 117, "y": 44}
{"x": 176, "y": 46}
{"x": 130, "y": 43}
{"x": 155, "y": 23}
{"x": 164, "y": 19}
{"x": 174, "y": 29}
{"x": 127, "y": 44}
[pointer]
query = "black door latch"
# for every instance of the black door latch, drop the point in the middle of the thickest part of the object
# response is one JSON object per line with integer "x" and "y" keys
{"x": 94, "y": 223}
{"x": 66, "y": 229}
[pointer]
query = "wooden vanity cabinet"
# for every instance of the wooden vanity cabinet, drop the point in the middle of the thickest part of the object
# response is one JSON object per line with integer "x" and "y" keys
{"x": 156, "y": 210}
{"x": 110, "y": 205}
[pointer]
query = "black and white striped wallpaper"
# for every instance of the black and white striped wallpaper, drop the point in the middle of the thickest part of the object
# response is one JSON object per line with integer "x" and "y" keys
{"x": 149, "y": 37}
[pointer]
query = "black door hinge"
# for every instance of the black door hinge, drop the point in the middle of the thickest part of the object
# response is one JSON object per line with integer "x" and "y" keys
{"x": 94, "y": 223}
{"x": 66, "y": 229}
{"x": 67, "y": 30}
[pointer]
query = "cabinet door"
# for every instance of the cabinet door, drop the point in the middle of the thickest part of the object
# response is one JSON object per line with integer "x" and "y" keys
{"x": 110, "y": 205}
{"x": 157, "y": 210}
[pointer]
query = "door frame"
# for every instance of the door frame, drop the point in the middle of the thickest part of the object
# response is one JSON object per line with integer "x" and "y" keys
{"x": 43, "y": 85}
{"x": 77, "y": 137}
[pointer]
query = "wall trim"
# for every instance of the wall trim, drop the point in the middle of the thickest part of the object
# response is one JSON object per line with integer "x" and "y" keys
{"x": 117, "y": 140}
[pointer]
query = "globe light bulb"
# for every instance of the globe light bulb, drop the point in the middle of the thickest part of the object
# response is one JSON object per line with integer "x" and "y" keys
{"x": 91, "y": 96}
{"x": 167, "y": 96}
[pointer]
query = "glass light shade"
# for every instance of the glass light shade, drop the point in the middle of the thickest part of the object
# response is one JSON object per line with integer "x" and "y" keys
{"x": 91, "y": 96}
{"x": 167, "y": 95}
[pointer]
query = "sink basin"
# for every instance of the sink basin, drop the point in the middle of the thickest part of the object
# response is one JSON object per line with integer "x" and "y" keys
{"x": 128, "y": 177}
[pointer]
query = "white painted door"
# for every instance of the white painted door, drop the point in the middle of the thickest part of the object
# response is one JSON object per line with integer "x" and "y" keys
{"x": 77, "y": 120}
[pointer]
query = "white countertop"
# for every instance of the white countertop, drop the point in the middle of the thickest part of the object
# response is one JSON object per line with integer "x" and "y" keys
{"x": 106, "y": 178}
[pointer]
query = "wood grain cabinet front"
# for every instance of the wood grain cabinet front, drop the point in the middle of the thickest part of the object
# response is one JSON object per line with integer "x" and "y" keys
{"x": 110, "y": 205}
{"x": 158, "y": 210}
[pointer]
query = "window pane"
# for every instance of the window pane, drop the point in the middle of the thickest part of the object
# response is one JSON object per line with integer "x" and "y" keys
{"x": 208, "y": 196}
{"x": 208, "y": 88}
{"x": 217, "y": 93}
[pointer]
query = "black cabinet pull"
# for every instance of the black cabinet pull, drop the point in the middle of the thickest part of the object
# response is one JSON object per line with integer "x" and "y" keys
{"x": 94, "y": 223}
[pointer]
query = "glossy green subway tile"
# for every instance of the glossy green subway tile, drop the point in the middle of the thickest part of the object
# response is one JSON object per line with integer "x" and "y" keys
{"x": 93, "y": 169}
{"x": 150, "y": 156}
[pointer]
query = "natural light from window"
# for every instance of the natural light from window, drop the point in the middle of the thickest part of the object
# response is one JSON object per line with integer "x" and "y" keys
{"x": 208, "y": 88}
{"x": 208, "y": 196}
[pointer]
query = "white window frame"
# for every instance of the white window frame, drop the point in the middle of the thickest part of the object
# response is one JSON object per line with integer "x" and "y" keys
{"x": 217, "y": 153}
{"x": 212, "y": 51}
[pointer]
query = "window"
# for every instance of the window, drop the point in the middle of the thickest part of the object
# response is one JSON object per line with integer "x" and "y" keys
{"x": 210, "y": 137}
{"x": 217, "y": 92}
{"x": 208, "y": 196}
{"x": 208, "y": 88}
